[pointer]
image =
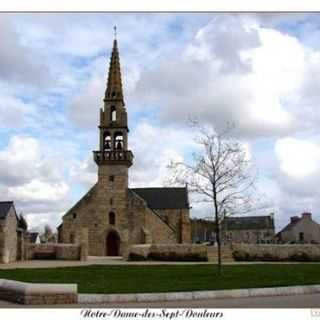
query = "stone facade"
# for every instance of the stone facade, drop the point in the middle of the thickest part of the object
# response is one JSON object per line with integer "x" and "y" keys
{"x": 202, "y": 230}
{"x": 9, "y": 237}
{"x": 12, "y": 233}
{"x": 113, "y": 215}
{"x": 248, "y": 229}
{"x": 300, "y": 230}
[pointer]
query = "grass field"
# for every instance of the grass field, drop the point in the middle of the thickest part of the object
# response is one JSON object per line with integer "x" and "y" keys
{"x": 134, "y": 279}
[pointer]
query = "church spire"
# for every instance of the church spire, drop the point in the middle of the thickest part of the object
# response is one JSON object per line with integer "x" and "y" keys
{"x": 114, "y": 85}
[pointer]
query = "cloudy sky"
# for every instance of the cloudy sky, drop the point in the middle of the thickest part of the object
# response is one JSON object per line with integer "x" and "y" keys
{"x": 259, "y": 71}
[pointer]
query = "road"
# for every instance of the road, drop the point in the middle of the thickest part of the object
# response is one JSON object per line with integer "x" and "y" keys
{"x": 294, "y": 301}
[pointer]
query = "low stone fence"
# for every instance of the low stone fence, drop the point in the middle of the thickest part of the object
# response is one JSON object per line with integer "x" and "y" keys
{"x": 279, "y": 251}
{"x": 174, "y": 252}
{"x": 54, "y": 251}
{"x": 38, "y": 293}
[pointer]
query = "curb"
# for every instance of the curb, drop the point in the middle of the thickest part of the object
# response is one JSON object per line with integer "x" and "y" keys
{"x": 197, "y": 295}
{"x": 38, "y": 293}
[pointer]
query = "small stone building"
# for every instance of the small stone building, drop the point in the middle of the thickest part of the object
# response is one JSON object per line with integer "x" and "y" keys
{"x": 111, "y": 216}
{"x": 12, "y": 233}
{"x": 300, "y": 230}
{"x": 248, "y": 229}
{"x": 202, "y": 230}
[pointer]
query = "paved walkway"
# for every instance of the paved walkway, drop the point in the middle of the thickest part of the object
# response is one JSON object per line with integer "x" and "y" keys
{"x": 29, "y": 264}
{"x": 294, "y": 301}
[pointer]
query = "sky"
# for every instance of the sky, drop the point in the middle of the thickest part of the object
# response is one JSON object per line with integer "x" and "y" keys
{"x": 258, "y": 71}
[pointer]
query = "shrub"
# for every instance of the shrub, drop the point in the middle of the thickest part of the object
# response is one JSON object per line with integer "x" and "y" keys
{"x": 173, "y": 256}
{"x": 240, "y": 255}
{"x": 136, "y": 257}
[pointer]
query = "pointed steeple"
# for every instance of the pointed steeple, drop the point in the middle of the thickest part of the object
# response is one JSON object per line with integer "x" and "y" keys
{"x": 114, "y": 85}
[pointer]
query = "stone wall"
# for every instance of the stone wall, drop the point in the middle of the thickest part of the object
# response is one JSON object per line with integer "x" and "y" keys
{"x": 279, "y": 250}
{"x": 36, "y": 293}
{"x": 178, "y": 219}
{"x": 57, "y": 251}
{"x": 179, "y": 249}
{"x": 160, "y": 232}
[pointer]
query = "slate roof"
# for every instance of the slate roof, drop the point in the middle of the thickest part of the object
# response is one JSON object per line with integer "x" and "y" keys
{"x": 248, "y": 223}
{"x": 5, "y": 208}
{"x": 289, "y": 226}
{"x": 164, "y": 198}
{"x": 33, "y": 237}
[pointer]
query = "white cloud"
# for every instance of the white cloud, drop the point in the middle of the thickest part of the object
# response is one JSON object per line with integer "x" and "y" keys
{"x": 17, "y": 62}
{"x": 23, "y": 159}
{"x": 260, "y": 77}
{"x": 153, "y": 148}
{"x": 39, "y": 191}
{"x": 298, "y": 158}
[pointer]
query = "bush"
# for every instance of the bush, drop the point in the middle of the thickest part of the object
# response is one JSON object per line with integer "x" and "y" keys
{"x": 136, "y": 257}
{"x": 242, "y": 255}
{"x": 173, "y": 256}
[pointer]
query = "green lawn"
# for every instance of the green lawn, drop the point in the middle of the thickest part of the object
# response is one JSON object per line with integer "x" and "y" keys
{"x": 130, "y": 279}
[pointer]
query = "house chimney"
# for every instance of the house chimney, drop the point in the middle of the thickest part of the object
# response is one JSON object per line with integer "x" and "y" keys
{"x": 294, "y": 219}
{"x": 306, "y": 215}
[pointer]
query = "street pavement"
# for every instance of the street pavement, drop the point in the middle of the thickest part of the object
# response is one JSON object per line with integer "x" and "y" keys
{"x": 293, "y": 301}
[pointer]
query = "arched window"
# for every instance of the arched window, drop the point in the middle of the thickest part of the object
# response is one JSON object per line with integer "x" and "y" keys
{"x": 118, "y": 141}
{"x": 113, "y": 114}
{"x": 107, "y": 141}
{"x": 112, "y": 218}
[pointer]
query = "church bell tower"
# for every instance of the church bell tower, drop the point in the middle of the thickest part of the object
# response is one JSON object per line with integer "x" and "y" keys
{"x": 113, "y": 126}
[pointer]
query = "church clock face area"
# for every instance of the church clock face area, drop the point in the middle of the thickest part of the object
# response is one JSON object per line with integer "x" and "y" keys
{"x": 111, "y": 216}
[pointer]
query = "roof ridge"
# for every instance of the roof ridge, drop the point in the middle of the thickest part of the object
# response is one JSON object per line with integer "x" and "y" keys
{"x": 159, "y": 188}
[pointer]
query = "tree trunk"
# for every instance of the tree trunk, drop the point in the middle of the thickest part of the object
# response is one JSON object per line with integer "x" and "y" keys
{"x": 219, "y": 244}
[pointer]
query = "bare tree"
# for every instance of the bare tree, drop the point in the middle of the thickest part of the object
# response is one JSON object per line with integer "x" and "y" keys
{"x": 48, "y": 235}
{"x": 221, "y": 173}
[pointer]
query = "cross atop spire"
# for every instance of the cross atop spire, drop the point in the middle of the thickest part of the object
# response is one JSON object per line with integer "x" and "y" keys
{"x": 115, "y": 31}
{"x": 114, "y": 84}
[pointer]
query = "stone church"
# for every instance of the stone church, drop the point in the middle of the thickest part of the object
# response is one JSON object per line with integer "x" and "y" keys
{"x": 112, "y": 216}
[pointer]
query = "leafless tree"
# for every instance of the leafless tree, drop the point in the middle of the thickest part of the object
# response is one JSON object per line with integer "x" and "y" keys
{"x": 221, "y": 173}
{"x": 48, "y": 235}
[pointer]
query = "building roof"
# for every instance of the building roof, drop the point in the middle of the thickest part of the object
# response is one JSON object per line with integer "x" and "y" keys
{"x": 5, "y": 208}
{"x": 247, "y": 223}
{"x": 164, "y": 198}
{"x": 33, "y": 237}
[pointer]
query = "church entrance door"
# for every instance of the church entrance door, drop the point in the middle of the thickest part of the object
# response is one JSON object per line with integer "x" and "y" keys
{"x": 112, "y": 244}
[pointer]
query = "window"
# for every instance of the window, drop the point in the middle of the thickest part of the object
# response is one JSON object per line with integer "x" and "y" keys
{"x": 74, "y": 215}
{"x": 301, "y": 236}
{"x": 71, "y": 238}
{"x": 107, "y": 141}
{"x": 112, "y": 218}
{"x": 118, "y": 141}
{"x": 111, "y": 178}
{"x": 113, "y": 115}
{"x": 111, "y": 201}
